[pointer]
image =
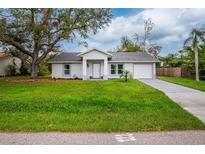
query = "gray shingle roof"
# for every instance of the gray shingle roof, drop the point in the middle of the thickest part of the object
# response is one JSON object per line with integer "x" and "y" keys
{"x": 66, "y": 56}
{"x": 116, "y": 56}
{"x": 131, "y": 56}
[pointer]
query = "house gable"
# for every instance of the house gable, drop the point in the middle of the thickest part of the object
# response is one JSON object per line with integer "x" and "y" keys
{"x": 94, "y": 54}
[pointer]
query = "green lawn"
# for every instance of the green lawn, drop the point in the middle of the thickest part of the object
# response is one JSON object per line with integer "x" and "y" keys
{"x": 187, "y": 82}
{"x": 88, "y": 106}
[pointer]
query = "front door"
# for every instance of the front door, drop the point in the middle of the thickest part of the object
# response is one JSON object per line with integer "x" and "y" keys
{"x": 96, "y": 70}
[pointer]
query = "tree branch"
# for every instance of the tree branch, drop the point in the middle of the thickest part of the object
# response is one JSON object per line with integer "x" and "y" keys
{"x": 20, "y": 47}
{"x": 50, "y": 48}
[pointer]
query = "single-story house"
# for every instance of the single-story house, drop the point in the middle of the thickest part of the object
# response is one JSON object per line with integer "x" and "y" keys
{"x": 96, "y": 64}
{"x": 6, "y": 60}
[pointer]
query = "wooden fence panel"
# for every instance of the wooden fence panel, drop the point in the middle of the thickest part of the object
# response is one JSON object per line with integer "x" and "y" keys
{"x": 169, "y": 71}
{"x": 186, "y": 73}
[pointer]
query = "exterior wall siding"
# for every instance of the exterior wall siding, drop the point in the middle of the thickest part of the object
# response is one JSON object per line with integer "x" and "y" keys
{"x": 127, "y": 66}
{"x": 76, "y": 70}
{"x": 4, "y": 62}
{"x": 154, "y": 71}
{"x": 58, "y": 71}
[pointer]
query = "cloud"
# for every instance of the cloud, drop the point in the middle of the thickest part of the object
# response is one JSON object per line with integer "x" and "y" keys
{"x": 172, "y": 27}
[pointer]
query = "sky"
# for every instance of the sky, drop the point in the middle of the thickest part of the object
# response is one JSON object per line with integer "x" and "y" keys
{"x": 172, "y": 27}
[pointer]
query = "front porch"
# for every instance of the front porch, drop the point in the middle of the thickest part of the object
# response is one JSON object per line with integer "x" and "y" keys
{"x": 95, "y": 64}
{"x": 95, "y": 69}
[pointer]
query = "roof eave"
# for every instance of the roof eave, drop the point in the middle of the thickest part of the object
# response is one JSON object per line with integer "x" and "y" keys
{"x": 149, "y": 61}
{"x": 116, "y": 61}
{"x": 60, "y": 62}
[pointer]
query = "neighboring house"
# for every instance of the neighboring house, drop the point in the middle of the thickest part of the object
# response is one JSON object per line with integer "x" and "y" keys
{"x": 6, "y": 60}
{"x": 96, "y": 64}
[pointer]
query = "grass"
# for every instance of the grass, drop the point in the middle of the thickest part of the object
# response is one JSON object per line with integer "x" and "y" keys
{"x": 88, "y": 106}
{"x": 187, "y": 82}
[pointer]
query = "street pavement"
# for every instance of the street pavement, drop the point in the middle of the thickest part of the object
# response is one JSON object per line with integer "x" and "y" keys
{"x": 137, "y": 138}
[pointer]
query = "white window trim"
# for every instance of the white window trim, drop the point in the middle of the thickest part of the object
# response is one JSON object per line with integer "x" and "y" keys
{"x": 116, "y": 68}
{"x": 66, "y": 69}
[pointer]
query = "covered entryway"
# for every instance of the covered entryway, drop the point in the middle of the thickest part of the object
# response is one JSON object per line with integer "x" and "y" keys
{"x": 95, "y": 64}
{"x": 143, "y": 71}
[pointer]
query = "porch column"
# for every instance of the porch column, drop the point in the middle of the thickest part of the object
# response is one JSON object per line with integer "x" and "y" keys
{"x": 84, "y": 69}
{"x": 105, "y": 77}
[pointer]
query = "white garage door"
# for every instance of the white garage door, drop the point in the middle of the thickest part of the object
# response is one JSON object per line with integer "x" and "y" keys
{"x": 142, "y": 71}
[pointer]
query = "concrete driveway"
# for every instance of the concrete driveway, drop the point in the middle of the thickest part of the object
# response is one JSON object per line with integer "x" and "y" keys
{"x": 190, "y": 99}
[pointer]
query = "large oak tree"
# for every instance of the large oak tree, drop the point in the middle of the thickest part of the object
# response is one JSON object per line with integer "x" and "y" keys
{"x": 37, "y": 32}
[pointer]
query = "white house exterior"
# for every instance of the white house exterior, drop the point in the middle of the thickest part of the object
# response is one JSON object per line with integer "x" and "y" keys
{"x": 96, "y": 64}
{"x": 5, "y": 60}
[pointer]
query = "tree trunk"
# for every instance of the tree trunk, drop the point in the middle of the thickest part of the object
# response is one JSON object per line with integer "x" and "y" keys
{"x": 196, "y": 63}
{"x": 34, "y": 70}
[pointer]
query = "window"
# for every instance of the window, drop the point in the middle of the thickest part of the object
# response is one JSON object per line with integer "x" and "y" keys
{"x": 120, "y": 68}
{"x": 66, "y": 69}
{"x": 113, "y": 68}
{"x": 116, "y": 68}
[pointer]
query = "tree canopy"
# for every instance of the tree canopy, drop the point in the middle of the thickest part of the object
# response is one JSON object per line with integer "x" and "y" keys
{"x": 196, "y": 38}
{"x": 191, "y": 57}
{"x": 37, "y": 32}
{"x": 128, "y": 45}
{"x": 137, "y": 43}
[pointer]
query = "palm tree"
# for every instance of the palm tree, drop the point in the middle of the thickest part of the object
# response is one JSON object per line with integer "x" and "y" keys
{"x": 197, "y": 36}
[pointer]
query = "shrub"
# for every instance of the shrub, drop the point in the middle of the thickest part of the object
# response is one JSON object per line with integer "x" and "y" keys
{"x": 43, "y": 70}
{"x": 202, "y": 74}
{"x": 126, "y": 75}
{"x": 23, "y": 69}
{"x": 11, "y": 70}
